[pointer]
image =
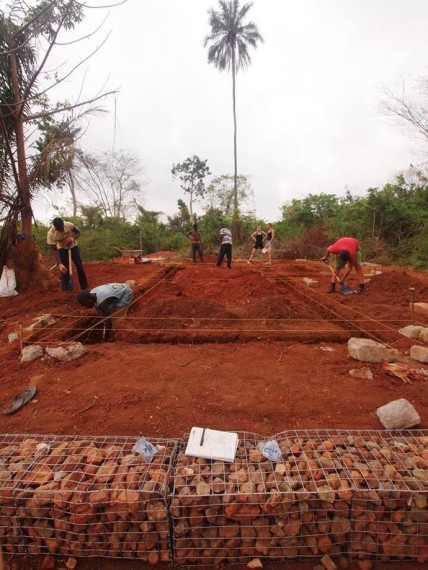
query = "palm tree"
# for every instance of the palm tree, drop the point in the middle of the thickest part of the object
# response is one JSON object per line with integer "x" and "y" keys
{"x": 230, "y": 40}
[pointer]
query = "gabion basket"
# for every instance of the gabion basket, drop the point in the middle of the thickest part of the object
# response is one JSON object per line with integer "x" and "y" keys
{"x": 333, "y": 493}
{"x": 84, "y": 496}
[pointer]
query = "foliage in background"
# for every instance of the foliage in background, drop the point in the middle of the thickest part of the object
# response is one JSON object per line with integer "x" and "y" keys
{"x": 192, "y": 173}
{"x": 27, "y": 38}
{"x": 220, "y": 195}
{"x": 111, "y": 181}
{"x": 391, "y": 222}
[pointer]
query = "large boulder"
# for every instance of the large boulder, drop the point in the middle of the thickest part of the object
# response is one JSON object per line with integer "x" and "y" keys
{"x": 411, "y": 331}
{"x": 367, "y": 350}
{"x": 66, "y": 353}
{"x": 420, "y": 308}
{"x": 31, "y": 352}
{"x": 41, "y": 322}
{"x": 419, "y": 353}
{"x": 398, "y": 414}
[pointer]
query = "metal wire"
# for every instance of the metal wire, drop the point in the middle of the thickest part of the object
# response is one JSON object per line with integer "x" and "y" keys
{"x": 84, "y": 496}
{"x": 196, "y": 326}
{"x": 335, "y": 492}
{"x": 358, "y": 493}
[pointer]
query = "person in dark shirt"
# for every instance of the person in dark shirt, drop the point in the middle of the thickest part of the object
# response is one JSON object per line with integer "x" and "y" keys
{"x": 258, "y": 236}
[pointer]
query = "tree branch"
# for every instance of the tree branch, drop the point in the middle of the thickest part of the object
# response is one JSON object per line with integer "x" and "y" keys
{"x": 69, "y": 107}
{"x": 44, "y": 59}
{"x": 73, "y": 69}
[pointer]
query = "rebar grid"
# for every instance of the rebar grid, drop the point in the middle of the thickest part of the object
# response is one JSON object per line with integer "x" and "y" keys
{"x": 357, "y": 493}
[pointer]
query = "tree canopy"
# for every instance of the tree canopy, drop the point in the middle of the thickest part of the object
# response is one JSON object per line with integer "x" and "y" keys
{"x": 192, "y": 173}
{"x": 111, "y": 181}
{"x": 229, "y": 43}
{"x": 37, "y": 136}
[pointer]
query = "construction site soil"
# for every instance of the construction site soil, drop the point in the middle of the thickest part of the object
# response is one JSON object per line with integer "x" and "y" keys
{"x": 251, "y": 348}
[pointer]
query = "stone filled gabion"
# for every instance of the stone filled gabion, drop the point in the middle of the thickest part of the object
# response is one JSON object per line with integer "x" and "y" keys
{"x": 362, "y": 495}
{"x": 331, "y": 494}
{"x": 84, "y": 496}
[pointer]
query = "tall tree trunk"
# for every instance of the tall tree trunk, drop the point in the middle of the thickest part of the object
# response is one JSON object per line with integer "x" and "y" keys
{"x": 192, "y": 219}
{"x": 237, "y": 234}
{"x": 23, "y": 187}
{"x": 72, "y": 191}
{"x": 24, "y": 256}
{"x": 235, "y": 152}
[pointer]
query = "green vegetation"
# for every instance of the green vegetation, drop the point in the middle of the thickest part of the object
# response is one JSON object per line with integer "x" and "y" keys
{"x": 192, "y": 173}
{"x": 39, "y": 152}
{"x": 391, "y": 222}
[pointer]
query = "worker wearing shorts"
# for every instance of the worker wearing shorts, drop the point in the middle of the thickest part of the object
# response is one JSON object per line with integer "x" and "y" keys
{"x": 258, "y": 236}
{"x": 347, "y": 252}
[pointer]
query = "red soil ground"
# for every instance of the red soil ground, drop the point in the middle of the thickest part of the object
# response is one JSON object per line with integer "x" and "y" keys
{"x": 247, "y": 349}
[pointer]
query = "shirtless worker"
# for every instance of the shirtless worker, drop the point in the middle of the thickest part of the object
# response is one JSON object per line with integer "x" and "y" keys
{"x": 195, "y": 236}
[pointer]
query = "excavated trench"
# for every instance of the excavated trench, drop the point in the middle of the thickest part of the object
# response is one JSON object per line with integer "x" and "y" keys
{"x": 195, "y": 304}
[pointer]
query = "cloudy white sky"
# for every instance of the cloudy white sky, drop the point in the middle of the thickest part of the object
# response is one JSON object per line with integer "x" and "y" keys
{"x": 307, "y": 106}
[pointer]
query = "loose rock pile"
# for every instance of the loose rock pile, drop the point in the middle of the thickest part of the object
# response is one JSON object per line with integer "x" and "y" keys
{"x": 362, "y": 495}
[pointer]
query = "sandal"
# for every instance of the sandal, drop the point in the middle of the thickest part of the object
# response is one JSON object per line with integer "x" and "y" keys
{"x": 20, "y": 400}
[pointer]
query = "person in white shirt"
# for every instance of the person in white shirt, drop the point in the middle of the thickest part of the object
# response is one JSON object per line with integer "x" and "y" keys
{"x": 225, "y": 247}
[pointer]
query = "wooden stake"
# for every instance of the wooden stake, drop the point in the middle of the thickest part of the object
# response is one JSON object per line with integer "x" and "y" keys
{"x": 412, "y": 291}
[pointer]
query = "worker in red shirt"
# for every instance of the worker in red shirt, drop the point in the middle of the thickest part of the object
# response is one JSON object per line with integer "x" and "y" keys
{"x": 347, "y": 251}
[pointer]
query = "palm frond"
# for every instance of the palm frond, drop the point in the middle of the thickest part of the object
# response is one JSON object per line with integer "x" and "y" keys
{"x": 230, "y": 37}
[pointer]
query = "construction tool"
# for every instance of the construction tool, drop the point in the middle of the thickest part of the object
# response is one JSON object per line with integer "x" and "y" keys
{"x": 70, "y": 271}
{"x": 345, "y": 289}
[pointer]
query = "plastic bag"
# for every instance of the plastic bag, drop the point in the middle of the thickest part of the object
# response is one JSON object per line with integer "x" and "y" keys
{"x": 270, "y": 450}
{"x": 146, "y": 449}
{"x": 7, "y": 282}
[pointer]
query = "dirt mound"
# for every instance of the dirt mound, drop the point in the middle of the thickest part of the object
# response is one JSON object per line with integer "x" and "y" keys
{"x": 171, "y": 368}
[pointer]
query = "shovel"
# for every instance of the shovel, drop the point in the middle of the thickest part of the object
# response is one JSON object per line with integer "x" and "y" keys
{"x": 345, "y": 289}
{"x": 70, "y": 272}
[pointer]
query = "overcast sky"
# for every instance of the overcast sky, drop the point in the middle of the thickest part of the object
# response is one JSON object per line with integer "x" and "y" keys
{"x": 307, "y": 106}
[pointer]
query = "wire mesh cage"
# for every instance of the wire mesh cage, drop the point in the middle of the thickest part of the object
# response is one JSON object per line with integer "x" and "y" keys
{"x": 85, "y": 496}
{"x": 332, "y": 493}
{"x": 328, "y": 493}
